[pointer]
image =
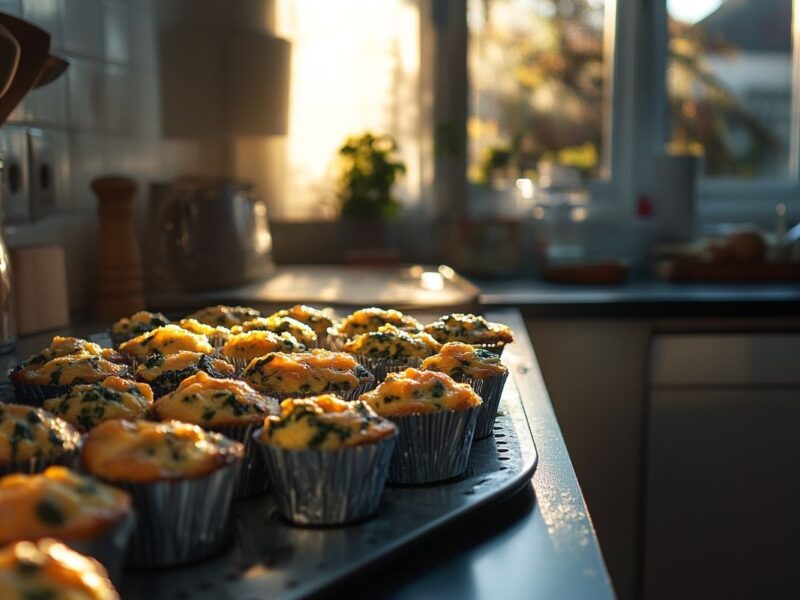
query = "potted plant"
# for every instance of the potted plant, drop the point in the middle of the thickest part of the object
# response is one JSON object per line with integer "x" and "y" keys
{"x": 368, "y": 170}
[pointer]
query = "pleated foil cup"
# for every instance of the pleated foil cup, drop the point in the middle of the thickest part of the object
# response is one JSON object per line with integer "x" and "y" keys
{"x": 490, "y": 390}
{"x": 108, "y": 549}
{"x": 35, "y": 395}
{"x": 432, "y": 447}
{"x": 251, "y": 477}
{"x": 380, "y": 367}
{"x": 182, "y": 521}
{"x": 328, "y": 487}
{"x": 39, "y": 464}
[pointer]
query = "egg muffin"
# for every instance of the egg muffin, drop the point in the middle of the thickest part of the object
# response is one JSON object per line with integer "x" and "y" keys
{"x": 224, "y": 316}
{"x": 320, "y": 322}
{"x": 480, "y": 368}
{"x": 436, "y": 417}
{"x": 308, "y": 374}
{"x": 372, "y": 319}
{"x": 391, "y": 349}
{"x": 178, "y": 474}
{"x": 32, "y": 439}
{"x": 165, "y": 340}
{"x": 299, "y": 331}
{"x": 92, "y": 517}
{"x": 84, "y": 406}
{"x": 216, "y": 335}
{"x": 48, "y": 569}
{"x": 230, "y": 407}
{"x": 326, "y": 459}
{"x": 241, "y": 348}
{"x": 471, "y": 329}
{"x": 67, "y": 361}
{"x": 136, "y": 324}
{"x": 164, "y": 373}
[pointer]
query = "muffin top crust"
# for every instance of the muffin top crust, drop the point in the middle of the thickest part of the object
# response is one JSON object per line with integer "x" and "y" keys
{"x": 142, "y": 451}
{"x": 392, "y": 343}
{"x": 463, "y": 360}
{"x": 313, "y": 317}
{"x": 252, "y": 344}
{"x": 324, "y": 423}
{"x": 165, "y": 340}
{"x": 195, "y": 326}
{"x": 164, "y": 373}
{"x": 419, "y": 392}
{"x": 84, "y": 406}
{"x": 59, "y": 503}
{"x": 210, "y": 402}
{"x": 27, "y": 432}
{"x": 306, "y": 373}
{"x": 48, "y": 569}
{"x": 372, "y": 319}
{"x": 470, "y": 329}
{"x": 73, "y": 369}
{"x": 224, "y": 316}
{"x": 281, "y": 324}
{"x": 138, "y": 323}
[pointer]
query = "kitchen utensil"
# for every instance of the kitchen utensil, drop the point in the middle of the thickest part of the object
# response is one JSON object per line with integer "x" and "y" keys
{"x": 207, "y": 234}
{"x": 119, "y": 284}
{"x": 34, "y": 46}
{"x": 53, "y": 68}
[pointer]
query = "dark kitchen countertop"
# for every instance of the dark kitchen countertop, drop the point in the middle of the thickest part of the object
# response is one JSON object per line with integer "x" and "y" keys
{"x": 537, "y": 543}
{"x": 643, "y": 298}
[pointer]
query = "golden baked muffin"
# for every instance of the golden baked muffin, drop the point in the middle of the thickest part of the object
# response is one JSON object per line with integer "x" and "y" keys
{"x": 49, "y": 570}
{"x": 246, "y": 346}
{"x": 214, "y": 334}
{"x": 136, "y": 324}
{"x": 84, "y": 406}
{"x": 313, "y": 317}
{"x": 419, "y": 392}
{"x": 166, "y": 340}
{"x": 305, "y": 373}
{"x": 213, "y": 402}
{"x": 164, "y": 373}
{"x": 27, "y": 433}
{"x": 299, "y": 331}
{"x": 470, "y": 329}
{"x": 144, "y": 452}
{"x": 224, "y": 316}
{"x": 72, "y": 346}
{"x": 459, "y": 360}
{"x": 389, "y": 342}
{"x": 72, "y": 369}
{"x": 58, "y": 503}
{"x": 324, "y": 423}
{"x": 372, "y": 319}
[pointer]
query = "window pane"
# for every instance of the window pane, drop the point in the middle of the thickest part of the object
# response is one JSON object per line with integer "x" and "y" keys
{"x": 539, "y": 78}
{"x": 729, "y": 84}
{"x": 355, "y": 67}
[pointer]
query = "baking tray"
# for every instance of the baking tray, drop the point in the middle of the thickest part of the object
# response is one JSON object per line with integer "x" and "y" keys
{"x": 272, "y": 559}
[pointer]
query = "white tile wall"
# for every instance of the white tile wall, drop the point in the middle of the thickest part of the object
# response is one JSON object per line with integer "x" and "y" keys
{"x": 104, "y": 116}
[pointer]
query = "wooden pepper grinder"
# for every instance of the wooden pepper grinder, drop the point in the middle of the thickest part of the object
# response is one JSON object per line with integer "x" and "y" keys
{"x": 119, "y": 284}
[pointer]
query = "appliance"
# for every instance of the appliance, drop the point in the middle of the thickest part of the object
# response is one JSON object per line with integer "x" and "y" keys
{"x": 205, "y": 234}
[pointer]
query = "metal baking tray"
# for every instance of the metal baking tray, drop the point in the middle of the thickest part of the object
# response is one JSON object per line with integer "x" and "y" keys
{"x": 270, "y": 558}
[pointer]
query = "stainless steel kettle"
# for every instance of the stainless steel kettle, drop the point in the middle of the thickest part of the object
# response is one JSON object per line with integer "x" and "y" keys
{"x": 206, "y": 234}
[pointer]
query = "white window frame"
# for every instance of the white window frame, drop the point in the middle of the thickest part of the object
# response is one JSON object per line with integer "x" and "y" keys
{"x": 718, "y": 199}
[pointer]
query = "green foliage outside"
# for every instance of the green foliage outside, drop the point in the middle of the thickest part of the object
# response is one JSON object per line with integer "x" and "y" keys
{"x": 369, "y": 169}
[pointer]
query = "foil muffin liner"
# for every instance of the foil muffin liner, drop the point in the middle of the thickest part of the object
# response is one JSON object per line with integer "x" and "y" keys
{"x": 433, "y": 446}
{"x": 38, "y": 464}
{"x": 490, "y": 390}
{"x": 35, "y": 395}
{"x": 380, "y": 367}
{"x": 181, "y": 521}
{"x": 109, "y": 548}
{"x": 251, "y": 477}
{"x": 328, "y": 487}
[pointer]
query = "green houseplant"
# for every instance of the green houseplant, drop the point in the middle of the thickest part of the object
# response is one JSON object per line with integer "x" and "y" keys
{"x": 369, "y": 169}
